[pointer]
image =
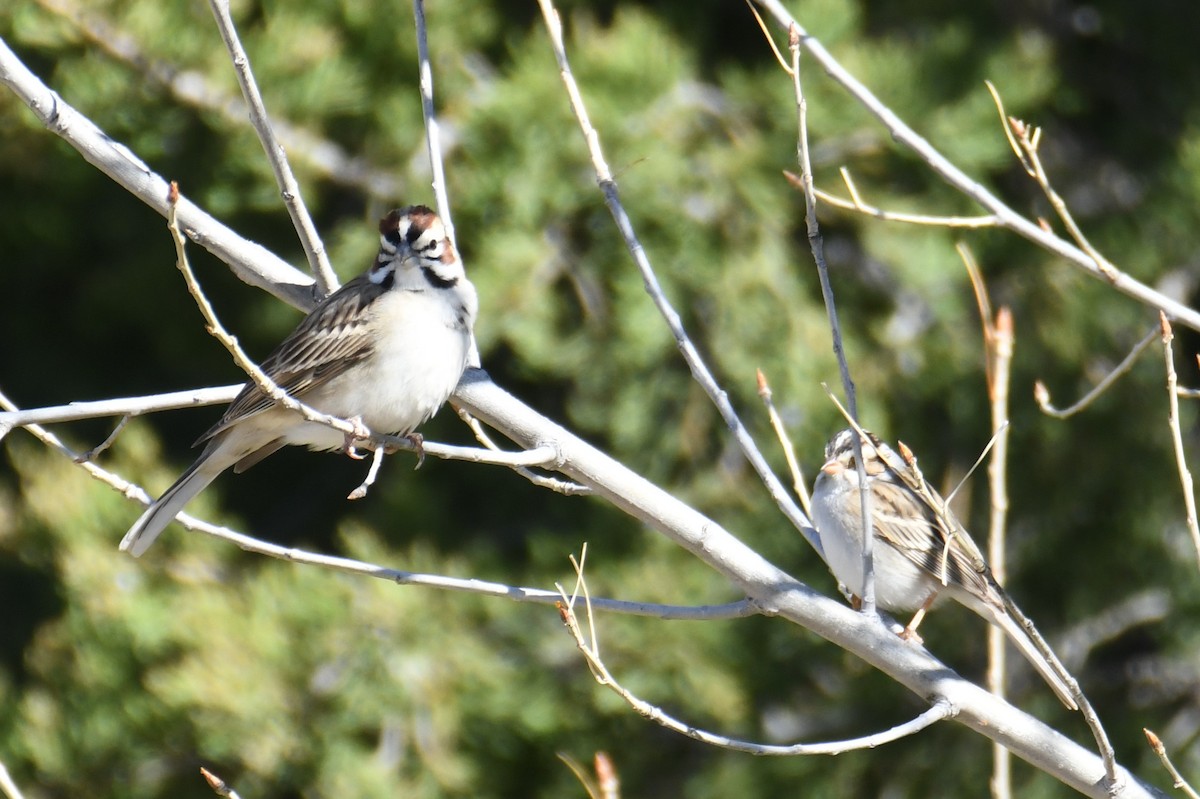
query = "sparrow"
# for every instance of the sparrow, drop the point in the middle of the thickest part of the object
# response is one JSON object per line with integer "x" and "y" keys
{"x": 921, "y": 551}
{"x": 386, "y": 349}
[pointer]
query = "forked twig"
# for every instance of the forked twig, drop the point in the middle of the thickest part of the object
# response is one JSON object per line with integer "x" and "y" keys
{"x": 1025, "y": 141}
{"x": 856, "y": 203}
{"x": 565, "y": 487}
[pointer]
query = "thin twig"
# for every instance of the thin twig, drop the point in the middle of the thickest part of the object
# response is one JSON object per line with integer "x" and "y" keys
{"x": 1113, "y": 780}
{"x": 433, "y": 139}
{"x": 123, "y": 406}
{"x": 585, "y": 779}
{"x": 1159, "y": 749}
{"x": 700, "y": 371}
{"x": 289, "y": 190}
{"x": 941, "y": 709}
{"x": 564, "y": 487}
{"x": 855, "y": 203}
{"x": 1185, "y": 475}
{"x": 97, "y": 450}
{"x": 545, "y": 456}
{"x": 1042, "y": 395}
{"x": 785, "y": 442}
{"x": 1025, "y": 141}
{"x": 999, "y": 341}
{"x": 817, "y": 245}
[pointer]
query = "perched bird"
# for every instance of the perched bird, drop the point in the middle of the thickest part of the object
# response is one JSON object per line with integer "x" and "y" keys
{"x": 387, "y": 348}
{"x": 921, "y": 550}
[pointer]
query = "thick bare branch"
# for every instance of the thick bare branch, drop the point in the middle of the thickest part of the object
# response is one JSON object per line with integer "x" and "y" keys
{"x": 251, "y": 262}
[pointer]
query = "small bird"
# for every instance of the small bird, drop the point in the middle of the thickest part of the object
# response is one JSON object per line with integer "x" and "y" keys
{"x": 921, "y": 550}
{"x": 386, "y": 349}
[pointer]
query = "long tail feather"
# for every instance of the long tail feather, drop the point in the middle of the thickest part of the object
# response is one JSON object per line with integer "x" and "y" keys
{"x": 146, "y": 529}
{"x": 1036, "y": 659}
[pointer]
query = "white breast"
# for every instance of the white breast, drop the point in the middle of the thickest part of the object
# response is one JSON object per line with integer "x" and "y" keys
{"x": 899, "y": 583}
{"x": 418, "y": 360}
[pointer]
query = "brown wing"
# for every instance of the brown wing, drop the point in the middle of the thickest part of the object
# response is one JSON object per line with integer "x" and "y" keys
{"x": 329, "y": 340}
{"x": 928, "y": 536}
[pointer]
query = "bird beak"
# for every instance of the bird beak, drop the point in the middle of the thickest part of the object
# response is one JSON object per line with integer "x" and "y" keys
{"x": 833, "y": 467}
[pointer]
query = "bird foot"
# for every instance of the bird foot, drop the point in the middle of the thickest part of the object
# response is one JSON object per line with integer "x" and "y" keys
{"x": 418, "y": 442}
{"x": 358, "y": 433}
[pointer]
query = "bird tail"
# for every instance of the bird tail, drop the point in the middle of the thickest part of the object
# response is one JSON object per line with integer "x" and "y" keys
{"x": 164, "y": 509}
{"x": 1029, "y": 650}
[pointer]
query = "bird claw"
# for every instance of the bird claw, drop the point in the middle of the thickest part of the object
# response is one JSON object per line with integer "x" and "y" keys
{"x": 418, "y": 442}
{"x": 358, "y": 433}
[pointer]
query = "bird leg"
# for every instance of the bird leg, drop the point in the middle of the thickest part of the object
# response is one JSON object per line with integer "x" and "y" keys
{"x": 909, "y": 633}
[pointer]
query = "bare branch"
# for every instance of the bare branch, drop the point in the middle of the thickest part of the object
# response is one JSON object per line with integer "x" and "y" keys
{"x": 1006, "y": 216}
{"x": 289, "y": 190}
{"x": 939, "y": 710}
{"x": 817, "y": 245}
{"x": 776, "y": 592}
{"x": 563, "y": 487}
{"x": 1185, "y": 476}
{"x": 251, "y": 262}
{"x": 700, "y": 371}
{"x": 731, "y": 610}
{"x": 433, "y": 138}
{"x": 123, "y": 406}
{"x": 1042, "y": 395}
{"x": 855, "y": 203}
{"x": 999, "y": 340}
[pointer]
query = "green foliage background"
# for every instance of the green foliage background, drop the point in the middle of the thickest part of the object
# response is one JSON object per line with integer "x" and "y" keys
{"x": 121, "y": 678}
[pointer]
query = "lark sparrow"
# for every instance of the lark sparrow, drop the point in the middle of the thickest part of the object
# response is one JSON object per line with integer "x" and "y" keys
{"x": 921, "y": 550}
{"x": 387, "y": 348}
